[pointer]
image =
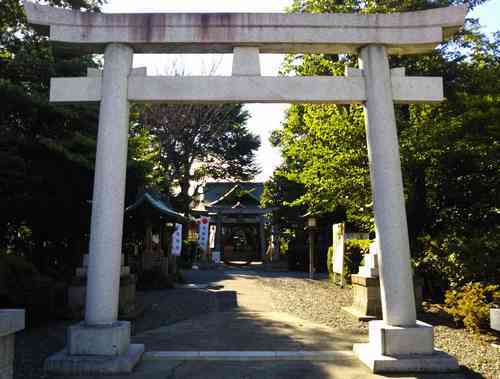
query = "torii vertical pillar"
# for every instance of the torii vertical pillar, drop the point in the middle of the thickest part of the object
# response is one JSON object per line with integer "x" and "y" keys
{"x": 101, "y": 344}
{"x": 399, "y": 342}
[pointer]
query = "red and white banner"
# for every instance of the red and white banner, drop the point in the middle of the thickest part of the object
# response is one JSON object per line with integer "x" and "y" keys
{"x": 203, "y": 223}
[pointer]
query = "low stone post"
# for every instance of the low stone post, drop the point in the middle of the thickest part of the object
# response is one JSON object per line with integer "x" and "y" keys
{"x": 217, "y": 251}
{"x": 366, "y": 304}
{"x": 262, "y": 240}
{"x": 127, "y": 306}
{"x": 312, "y": 268}
{"x": 398, "y": 342}
{"x": 495, "y": 323}
{"x": 11, "y": 321}
{"x": 275, "y": 238}
{"x": 101, "y": 344}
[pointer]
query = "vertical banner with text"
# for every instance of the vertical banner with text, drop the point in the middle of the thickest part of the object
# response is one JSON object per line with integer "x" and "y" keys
{"x": 177, "y": 240}
{"x": 203, "y": 224}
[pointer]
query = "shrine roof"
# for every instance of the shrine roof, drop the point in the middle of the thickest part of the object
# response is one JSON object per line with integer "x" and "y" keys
{"x": 214, "y": 193}
{"x": 158, "y": 204}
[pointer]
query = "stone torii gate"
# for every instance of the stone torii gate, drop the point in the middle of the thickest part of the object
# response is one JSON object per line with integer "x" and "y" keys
{"x": 101, "y": 343}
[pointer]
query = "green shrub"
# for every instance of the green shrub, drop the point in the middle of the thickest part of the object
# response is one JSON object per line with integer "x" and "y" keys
{"x": 22, "y": 286}
{"x": 471, "y": 304}
{"x": 354, "y": 251}
{"x": 451, "y": 260}
{"x": 329, "y": 262}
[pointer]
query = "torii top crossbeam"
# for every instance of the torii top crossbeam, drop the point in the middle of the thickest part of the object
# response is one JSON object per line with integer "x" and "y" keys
{"x": 401, "y": 33}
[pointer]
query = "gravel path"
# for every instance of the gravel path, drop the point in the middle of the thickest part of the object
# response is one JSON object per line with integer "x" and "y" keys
{"x": 317, "y": 301}
{"x": 321, "y": 302}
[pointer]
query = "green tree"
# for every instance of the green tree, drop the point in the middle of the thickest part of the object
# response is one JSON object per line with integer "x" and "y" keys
{"x": 47, "y": 151}
{"x": 197, "y": 141}
{"x": 448, "y": 151}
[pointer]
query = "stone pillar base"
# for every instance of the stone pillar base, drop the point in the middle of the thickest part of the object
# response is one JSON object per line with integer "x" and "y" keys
{"x": 98, "y": 340}
{"x": 367, "y": 303}
{"x": 403, "y": 349}
{"x": 11, "y": 321}
{"x": 96, "y": 350}
{"x": 75, "y": 365}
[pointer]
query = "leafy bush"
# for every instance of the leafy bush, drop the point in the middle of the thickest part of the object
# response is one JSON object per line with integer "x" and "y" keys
{"x": 354, "y": 251}
{"x": 22, "y": 286}
{"x": 452, "y": 260}
{"x": 471, "y": 304}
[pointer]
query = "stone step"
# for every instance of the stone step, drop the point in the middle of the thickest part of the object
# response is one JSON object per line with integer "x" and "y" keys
{"x": 241, "y": 355}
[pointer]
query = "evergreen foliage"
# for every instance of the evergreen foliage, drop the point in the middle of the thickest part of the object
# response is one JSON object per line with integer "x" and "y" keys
{"x": 449, "y": 151}
{"x": 47, "y": 151}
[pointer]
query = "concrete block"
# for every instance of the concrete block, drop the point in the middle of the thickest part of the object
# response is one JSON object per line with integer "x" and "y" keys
{"x": 495, "y": 318}
{"x": 246, "y": 61}
{"x": 324, "y": 355}
{"x": 353, "y": 72}
{"x": 110, "y": 340}
{"x": 6, "y": 372}
{"x": 93, "y": 72}
{"x": 6, "y": 350}
{"x": 237, "y": 355}
{"x": 437, "y": 361}
{"x": 367, "y": 303}
{"x": 398, "y": 71}
{"x": 73, "y": 365}
{"x": 138, "y": 71}
{"x": 11, "y": 321}
{"x": 396, "y": 340}
{"x": 171, "y": 355}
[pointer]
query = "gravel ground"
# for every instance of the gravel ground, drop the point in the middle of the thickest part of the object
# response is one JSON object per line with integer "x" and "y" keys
{"x": 317, "y": 301}
{"x": 322, "y": 302}
{"x": 162, "y": 308}
{"x": 473, "y": 351}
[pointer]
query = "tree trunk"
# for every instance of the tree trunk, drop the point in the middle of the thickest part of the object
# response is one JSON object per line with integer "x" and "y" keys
{"x": 417, "y": 208}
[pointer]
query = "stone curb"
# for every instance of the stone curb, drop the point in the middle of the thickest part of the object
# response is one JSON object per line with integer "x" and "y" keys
{"x": 250, "y": 355}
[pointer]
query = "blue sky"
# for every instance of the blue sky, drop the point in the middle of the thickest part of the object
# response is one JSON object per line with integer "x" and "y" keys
{"x": 265, "y": 117}
{"x": 488, "y": 15}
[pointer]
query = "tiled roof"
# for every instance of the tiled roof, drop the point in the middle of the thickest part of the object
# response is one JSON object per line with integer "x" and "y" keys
{"x": 159, "y": 204}
{"x": 213, "y": 191}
